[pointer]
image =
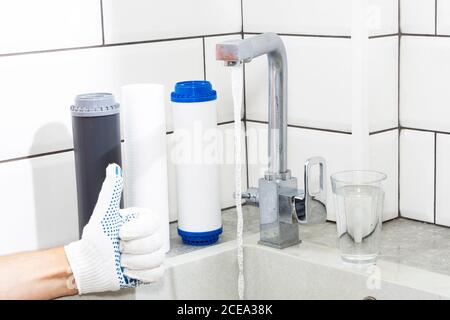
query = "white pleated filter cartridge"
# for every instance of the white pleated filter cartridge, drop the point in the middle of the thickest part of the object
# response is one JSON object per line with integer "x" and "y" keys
{"x": 145, "y": 151}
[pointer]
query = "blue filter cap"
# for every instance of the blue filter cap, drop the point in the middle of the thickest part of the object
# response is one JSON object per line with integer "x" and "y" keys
{"x": 200, "y": 238}
{"x": 193, "y": 91}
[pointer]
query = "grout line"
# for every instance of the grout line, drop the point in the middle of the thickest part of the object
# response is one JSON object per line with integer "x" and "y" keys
{"x": 229, "y": 208}
{"x": 326, "y": 35}
{"x": 43, "y": 154}
{"x": 102, "y": 22}
{"x": 38, "y": 155}
{"x": 428, "y": 35}
{"x": 435, "y": 16}
{"x": 218, "y": 124}
{"x": 426, "y": 222}
{"x": 425, "y": 130}
{"x": 435, "y": 160}
{"x": 305, "y": 35}
{"x": 204, "y": 59}
{"x": 384, "y": 35}
{"x": 119, "y": 44}
{"x": 105, "y": 45}
{"x": 242, "y": 16}
{"x": 417, "y": 220}
{"x": 383, "y": 131}
{"x": 228, "y": 122}
{"x": 304, "y": 127}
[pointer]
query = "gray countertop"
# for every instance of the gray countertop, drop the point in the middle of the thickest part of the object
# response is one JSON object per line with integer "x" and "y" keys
{"x": 251, "y": 225}
{"x": 416, "y": 244}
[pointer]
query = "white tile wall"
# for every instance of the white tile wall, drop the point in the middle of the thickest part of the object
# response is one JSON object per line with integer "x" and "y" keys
{"x": 424, "y": 98}
{"x": 443, "y": 180}
{"x": 326, "y": 17}
{"x": 39, "y": 207}
{"x": 220, "y": 77}
{"x": 48, "y": 24}
{"x": 315, "y": 65}
{"x": 417, "y": 16}
{"x": 383, "y": 83}
{"x": 318, "y": 17}
{"x": 383, "y": 17}
{"x": 384, "y": 158}
{"x": 318, "y": 65}
{"x": 425, "y": 74}
{"x": 335, "y": 147}
{"x": 140, "y": 20}
{"x": 443, "y": 17}
{"x": 417, "y": 175}
{"x": 38, "y": 89}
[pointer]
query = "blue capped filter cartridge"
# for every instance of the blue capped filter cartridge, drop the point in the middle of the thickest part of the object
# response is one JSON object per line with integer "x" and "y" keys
{"x": 197, "y": 165}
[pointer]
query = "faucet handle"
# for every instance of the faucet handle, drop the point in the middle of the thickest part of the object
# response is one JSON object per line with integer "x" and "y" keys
{"x": 310, "y": 205}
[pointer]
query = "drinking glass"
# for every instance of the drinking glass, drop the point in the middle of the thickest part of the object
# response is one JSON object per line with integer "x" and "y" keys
{"x": 359, "y": 198}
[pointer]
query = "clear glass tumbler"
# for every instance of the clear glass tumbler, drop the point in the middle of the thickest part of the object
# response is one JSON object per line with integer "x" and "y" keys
{"x": 359, "y": 198}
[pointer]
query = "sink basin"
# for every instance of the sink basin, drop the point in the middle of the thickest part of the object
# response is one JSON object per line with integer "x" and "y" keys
{"x": 305, "y": 271}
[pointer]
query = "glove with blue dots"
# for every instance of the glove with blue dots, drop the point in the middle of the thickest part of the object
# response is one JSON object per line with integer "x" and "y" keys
{"x": 118, "y": 248}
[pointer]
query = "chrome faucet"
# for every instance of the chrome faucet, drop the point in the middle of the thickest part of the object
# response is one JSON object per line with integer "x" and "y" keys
{"x": 282, "y": 206}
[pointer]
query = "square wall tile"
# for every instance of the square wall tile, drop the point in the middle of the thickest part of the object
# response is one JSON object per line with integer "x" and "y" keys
{"x": 39, "y": 204}
{"x": 319, "y": 83}
{"x": 220, "y": 77}
{"x": 52, "y": 80}
{"x": 319, "y": 89}
{"x": 49, "y": 24}
{"x": 417, "y": 175}
{"x": 384, "y": 158}
{"x": 227, "y": 169}
{"x": 443, "y": 17}
{"x": 383, "y": 83}
{"x": 417, "y": 16}
{"x": 335, "y": 148}
{"x": 383, "y": 17}
{"x": 443, "y": 180}
{"x": 140, "y": 20}
{"x": 425, "y": 75}
{"x": 318, "y": 17}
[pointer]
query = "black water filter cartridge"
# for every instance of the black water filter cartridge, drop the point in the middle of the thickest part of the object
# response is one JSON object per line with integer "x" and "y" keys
{"x": 96, "y": 140}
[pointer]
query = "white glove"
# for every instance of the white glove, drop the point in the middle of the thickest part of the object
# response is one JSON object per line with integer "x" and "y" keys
{"x": 118, "y": 248}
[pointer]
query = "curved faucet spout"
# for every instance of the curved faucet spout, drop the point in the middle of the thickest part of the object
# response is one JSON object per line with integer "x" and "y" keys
{"x": 235, "y": 52}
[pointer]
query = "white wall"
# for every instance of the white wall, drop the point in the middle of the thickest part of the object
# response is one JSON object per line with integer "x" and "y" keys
{"x": 424, "y": 110}
{"x": 317, "y": 38}
{"x": 55, "y": 49}
{"x": 81, "y": 46}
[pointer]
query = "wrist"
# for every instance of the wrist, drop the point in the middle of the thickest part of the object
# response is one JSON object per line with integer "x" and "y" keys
{"x": 63, "y": 273}
{"x": 87, "y": 267}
